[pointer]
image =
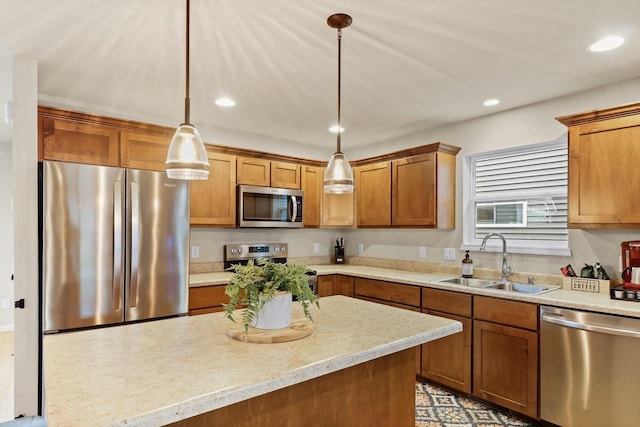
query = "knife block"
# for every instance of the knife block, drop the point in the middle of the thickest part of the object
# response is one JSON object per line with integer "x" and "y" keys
{"x": 338, "y": 255}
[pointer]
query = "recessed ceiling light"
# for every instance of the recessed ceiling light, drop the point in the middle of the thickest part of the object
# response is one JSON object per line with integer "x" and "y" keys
{"x": 607, "y": 43}
{"x": 225, "y": 102}
{"x": 334, "y": 129}
{"x": 491, "y": 102}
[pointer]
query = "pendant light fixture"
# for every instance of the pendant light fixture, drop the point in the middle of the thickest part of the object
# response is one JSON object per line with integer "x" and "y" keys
{"x": 187, "y": 157}
{"x": 338, "y": 178}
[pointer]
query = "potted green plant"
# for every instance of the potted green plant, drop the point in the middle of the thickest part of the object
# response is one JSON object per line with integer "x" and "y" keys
{"x": 257, "y": 286}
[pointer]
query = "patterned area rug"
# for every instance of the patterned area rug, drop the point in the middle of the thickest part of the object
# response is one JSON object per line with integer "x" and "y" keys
{"x": 436, "y": 407}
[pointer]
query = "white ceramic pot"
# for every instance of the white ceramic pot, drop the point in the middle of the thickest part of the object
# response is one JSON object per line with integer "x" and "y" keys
{"x": 275, "y": 314}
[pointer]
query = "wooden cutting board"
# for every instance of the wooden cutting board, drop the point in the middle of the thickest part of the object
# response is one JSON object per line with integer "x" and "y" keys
{"x": 297, "y": 330}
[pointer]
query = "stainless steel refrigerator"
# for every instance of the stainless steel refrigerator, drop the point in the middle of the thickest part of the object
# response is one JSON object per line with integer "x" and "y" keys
{"x": 115, "y": 245}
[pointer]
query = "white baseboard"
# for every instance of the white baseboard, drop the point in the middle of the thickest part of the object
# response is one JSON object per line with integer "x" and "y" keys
{"x": 6, "y": 328}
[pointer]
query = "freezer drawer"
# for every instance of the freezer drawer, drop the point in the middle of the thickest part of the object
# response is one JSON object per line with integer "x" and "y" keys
{"x": 588, "y": 368}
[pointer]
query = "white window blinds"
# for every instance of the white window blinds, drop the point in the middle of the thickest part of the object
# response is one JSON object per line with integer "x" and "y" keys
{"x": 522, "y": 194}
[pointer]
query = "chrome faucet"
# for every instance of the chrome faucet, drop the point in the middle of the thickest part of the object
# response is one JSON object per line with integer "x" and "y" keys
{"x": 506, "y": 270}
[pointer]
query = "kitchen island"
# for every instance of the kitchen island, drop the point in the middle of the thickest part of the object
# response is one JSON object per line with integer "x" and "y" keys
{"x": 357, "y": 365}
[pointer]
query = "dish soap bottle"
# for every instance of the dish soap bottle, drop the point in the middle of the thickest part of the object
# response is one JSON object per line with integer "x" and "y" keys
{"x": 467, "y": 266}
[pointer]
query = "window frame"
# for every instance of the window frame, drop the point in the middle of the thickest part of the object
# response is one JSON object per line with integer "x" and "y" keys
{"x": 518, "y": 246}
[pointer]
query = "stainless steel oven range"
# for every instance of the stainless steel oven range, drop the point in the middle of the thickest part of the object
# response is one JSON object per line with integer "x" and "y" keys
{"x": 241, "y": 253}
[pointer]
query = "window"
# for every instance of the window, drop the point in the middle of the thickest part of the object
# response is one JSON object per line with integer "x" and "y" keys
{"x": 520, "y": 193}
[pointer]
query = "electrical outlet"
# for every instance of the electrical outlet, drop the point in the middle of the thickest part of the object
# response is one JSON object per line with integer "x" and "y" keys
{"x": 6, "y": 303}
{"x": 422, "y": 250}
{"x": 449, "y": 254}
{"x": 195, "y": 252}
{"x": 316, "y": 248}
{"x": 360, "y": 248}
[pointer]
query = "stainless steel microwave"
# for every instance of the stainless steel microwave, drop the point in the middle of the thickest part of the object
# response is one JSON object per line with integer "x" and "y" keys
{"x": 269, "y": 207}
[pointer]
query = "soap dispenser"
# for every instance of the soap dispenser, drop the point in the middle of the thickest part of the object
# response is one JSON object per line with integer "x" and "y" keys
{"x": 467, "y": 266}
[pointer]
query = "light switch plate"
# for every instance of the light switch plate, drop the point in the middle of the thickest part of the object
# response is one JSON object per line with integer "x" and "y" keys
{"x": 195, "y": 252}
{"x": 449, "y": 254}
{"x": 316, "y": 248}
{"x": 6, "y": 302}
{"x": 360, "y": 248}
{"x": 422, "y": 251}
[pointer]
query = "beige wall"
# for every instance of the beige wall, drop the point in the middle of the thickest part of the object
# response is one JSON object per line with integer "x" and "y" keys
{"x": 531, "y": 124}
{"x": 6, "y": 231}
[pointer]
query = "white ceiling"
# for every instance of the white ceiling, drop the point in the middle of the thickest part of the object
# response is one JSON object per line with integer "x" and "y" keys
{"x": 407, "y": 65}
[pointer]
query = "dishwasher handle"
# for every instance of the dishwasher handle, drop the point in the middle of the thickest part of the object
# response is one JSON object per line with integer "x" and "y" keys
{"x": 560, "y": 320}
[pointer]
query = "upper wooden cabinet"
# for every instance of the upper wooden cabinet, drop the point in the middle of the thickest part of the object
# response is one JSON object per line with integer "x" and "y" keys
{"x": 267, "y": 173}
{"x": 409, "y": 188}
{"x": 143, "y": 150}
{"x": 77, "y": 142}
{"x": 338, "y": 210}
{"x": 603, "y": 175}
{"x": 285, "y": 175}
{"x": 253, "y": 171}
{"x": 311, "y": 184}
{"x": 423, "y": 191}
{"x": 213, "y": 201}
{"x": 83, "y": 138}
{"x": 373, "y": 194}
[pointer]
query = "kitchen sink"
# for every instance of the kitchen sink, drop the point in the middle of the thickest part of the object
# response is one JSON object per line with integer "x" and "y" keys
{"x": 476, "y": 283}
{"x": 500, "y": 286}
{"x": 522, "y": 287}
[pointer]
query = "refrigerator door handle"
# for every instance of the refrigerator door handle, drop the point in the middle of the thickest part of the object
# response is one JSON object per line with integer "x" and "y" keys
{"x": 135, "y": 243}
{"x": 118, "y": 276}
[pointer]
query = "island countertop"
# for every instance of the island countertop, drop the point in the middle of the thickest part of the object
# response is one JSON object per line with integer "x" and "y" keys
{"x": 162, "y": 371}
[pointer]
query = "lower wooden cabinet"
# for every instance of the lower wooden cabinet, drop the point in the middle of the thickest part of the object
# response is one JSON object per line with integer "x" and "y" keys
{"x": 335, "y": 284}
{"x": 395, "y": 294}
{"x": 505, "y": 357}
{"x": 207, "y": 299}
{"x": 448, "y": 360}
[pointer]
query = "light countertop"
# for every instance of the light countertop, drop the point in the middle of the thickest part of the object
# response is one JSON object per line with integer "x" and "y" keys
{"x": 559, "y": 298}
{"x": 158, "y": 372}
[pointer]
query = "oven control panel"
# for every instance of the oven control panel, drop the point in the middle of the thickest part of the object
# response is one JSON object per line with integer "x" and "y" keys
{"x": 246, "y": 251}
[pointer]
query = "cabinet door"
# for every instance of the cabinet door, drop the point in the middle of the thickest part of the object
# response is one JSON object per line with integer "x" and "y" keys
{"x": 312, "y": 186}
{"x": 335, "y": 284}
{"x": 448, "y": 360}
{"x": 337, "y": 210}
{"x": 144, "y": 150}
{"x": 253, "y": 171}
{"x": 505, "y": 366}
{"x": 373, "y": 194}
{"x": 604, "y": 179}
{"x": 414, "y": 191}
{"x": 70, "y": 141}
{"x": 285, "y": 175}
{"x": 207, "y": 299}
{"x": 213, "y": 202}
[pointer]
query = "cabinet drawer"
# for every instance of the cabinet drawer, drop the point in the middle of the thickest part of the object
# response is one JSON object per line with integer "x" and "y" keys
{"x": 394, "y": 292}
{"x": 446, "y": 301}
{"x": 390, "y": 303}
{"x": 513, "y": 313}
{"x": 207, "y": 296}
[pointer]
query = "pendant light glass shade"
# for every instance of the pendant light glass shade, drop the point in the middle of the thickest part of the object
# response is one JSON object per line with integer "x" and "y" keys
{"x": 187, "y": 157}
{"x": 338, "y": 178}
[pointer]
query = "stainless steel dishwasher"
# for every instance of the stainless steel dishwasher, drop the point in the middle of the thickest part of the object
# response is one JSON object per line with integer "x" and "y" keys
{"x": 589, "y": 372}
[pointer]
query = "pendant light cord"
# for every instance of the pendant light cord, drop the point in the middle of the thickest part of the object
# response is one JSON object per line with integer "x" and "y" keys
{"x": 339, "y": 78}
{"x": 187, "y": 101}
